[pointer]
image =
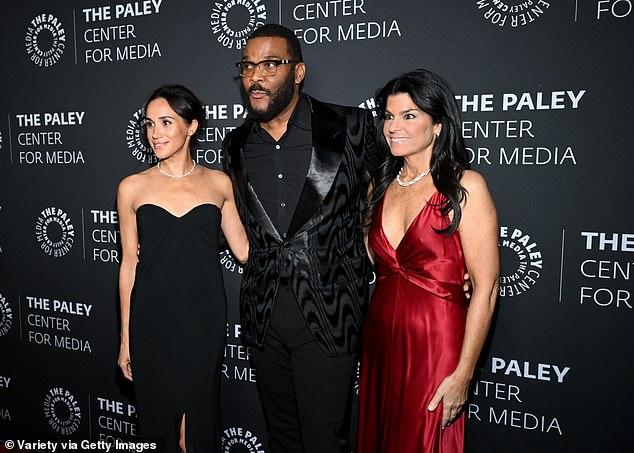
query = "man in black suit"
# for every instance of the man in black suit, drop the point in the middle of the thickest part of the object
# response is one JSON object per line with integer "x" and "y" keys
{"x": 300, "y": 170}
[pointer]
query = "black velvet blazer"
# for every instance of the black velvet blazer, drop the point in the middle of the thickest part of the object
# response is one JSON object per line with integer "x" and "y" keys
{"x": 323, "y": 249}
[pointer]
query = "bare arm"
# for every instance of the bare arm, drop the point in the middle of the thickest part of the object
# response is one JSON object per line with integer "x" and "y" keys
{"x": 231, "y": 224}
{"x": 479, "y": 236}
{"x": 127, "y": 269}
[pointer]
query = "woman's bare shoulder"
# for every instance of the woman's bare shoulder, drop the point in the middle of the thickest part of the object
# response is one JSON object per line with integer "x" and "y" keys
{"x": 217, "y": 178}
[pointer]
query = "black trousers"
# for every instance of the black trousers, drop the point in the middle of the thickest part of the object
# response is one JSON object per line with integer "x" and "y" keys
{"x": 306, "y": 395}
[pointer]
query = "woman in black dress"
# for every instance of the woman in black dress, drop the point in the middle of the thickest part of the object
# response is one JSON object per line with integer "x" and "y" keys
{"x": 173, "y": 308}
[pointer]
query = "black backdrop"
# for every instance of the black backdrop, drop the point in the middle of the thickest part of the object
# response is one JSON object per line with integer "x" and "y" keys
{"x": 546, "y": 94}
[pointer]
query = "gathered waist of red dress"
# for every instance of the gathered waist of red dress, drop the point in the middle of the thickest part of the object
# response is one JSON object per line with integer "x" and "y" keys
{"x": 451, "y": 291}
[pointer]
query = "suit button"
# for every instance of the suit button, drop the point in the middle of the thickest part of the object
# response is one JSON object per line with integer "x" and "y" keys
{"x": 286, "y": 245}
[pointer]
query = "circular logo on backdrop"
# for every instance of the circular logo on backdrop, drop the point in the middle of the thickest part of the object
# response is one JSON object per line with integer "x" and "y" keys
{"x": 239, "y": 440}
{"x": 521, "y": 261}
{"x": 233, "y": 21}
{"x": 133, "y": 136}
{"x": 62, "y": 410}
{"x": 513, "y": 13}
{"x": 6, "y": 316}
{"x": 229, "y": 263}
{"x": 45, "y": 40}
{"x": 54, "y": 232}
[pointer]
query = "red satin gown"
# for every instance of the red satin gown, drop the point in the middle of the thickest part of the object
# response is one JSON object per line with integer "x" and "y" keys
{"x": 412, "y": 337}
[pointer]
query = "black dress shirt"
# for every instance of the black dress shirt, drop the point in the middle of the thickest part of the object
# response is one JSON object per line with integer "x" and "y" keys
{"x": 277, "y": 170}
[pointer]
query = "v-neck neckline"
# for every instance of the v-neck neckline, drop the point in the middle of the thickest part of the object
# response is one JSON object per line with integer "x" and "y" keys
{"x": 409, "y": 227}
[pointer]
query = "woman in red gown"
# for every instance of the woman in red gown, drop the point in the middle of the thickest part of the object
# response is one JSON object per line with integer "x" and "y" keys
{"x": 431, "y": 219}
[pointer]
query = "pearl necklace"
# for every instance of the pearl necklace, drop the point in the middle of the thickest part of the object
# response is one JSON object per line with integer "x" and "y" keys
{"x": 413, "y": 181}
{"x": 158, "y": 165}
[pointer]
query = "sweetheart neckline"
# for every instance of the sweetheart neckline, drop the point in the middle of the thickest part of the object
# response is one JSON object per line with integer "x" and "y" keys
{"x": 183, "y": 215}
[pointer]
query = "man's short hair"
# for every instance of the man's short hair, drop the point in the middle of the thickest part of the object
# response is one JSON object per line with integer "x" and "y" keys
{"x": 279, "y": 31}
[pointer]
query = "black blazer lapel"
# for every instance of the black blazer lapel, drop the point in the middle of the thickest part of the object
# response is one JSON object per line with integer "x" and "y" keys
{"x": 246, "y": 193}
{"x": 329, "y": 138}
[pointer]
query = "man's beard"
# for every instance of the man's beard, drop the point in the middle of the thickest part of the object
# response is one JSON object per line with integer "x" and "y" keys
{"x": 278, "y": 100}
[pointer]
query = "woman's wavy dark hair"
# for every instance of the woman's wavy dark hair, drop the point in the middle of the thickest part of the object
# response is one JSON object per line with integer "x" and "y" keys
{"x": 184, "y": 103}
{"x": 449, "y": 159}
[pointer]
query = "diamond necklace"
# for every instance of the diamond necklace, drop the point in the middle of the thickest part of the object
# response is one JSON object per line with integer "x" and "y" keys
{"x": 413, "y": 181}
{"x": 158, "y": 165}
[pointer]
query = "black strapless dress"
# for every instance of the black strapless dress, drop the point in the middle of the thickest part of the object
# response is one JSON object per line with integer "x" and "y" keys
{"x": 178, "y": 319}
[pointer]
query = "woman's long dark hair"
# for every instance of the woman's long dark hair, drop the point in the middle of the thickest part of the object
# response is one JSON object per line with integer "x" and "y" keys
{"x": 449, "y": 158}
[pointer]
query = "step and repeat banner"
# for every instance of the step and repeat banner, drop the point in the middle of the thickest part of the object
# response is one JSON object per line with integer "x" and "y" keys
{"x": 546, "y": 93}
